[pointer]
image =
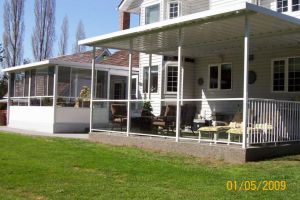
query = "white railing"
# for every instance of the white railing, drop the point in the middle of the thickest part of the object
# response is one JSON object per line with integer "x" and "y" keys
{"x": 273, "y": 121}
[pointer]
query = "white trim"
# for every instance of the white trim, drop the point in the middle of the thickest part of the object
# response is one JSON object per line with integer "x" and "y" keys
{"x": 147, "y": 93}
{"x": 169, "y": 7}
{"x": 167, "y": 65}
{"x": 149, "y": 5}
{"x": 66, "y": 64}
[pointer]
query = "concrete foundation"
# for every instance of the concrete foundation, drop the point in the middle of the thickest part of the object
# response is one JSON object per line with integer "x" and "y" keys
{"x": 231, "y": 153}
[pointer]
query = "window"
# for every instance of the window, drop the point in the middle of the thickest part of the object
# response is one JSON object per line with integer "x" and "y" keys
{"x": 214, "y": 77}
{"x": 295, "y": 5}
{"x": 64, "y": 84}
{"x": 173, "y": 10}
{"x": 152, "y": 14}
{"x": 220, "y": 76}
{"x": 101, "y": 84}
{"x": 288, "y": 5}
{"x": 294, "y": 75}
{"x": 282, "y": 5}
{"x": 226, "y": 76}
{"x": 278, "y": 75}
{"x": 172, "y": 77}
{"x": 286, "y": 75}
{"x": 153, "y": 79}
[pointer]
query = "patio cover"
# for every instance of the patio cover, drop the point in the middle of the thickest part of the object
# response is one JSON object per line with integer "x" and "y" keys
{"x": 208, "y": 33}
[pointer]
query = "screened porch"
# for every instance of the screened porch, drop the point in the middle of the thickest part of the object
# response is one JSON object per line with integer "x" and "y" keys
{"x": 224, "y": 102}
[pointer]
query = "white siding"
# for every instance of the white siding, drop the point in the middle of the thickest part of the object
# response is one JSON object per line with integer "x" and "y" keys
{"x": 222, "y": 3}
{"x": 144, "y": 62}
{"x": 262, "y": 88}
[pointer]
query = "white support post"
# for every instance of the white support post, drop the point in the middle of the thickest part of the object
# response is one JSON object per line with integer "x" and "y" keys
{"x": 92, "y": 89}
{"x": 246, "y": 69}
{"x": 55, "y": 83}
{"x": 8, "y": 97}
{"x": 149, "y": 77}
{"x": 108, "y": 85}
{"x": 178, "y": 104}
{"x": 129, "y": 90}
{"x": 29, "y": 88}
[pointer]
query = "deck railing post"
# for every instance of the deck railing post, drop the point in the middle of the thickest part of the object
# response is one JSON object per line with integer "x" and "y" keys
{"x": 246, "y": 68}
{"x": 129, "y": 89}
{"x": 92, "y": 88}
{"x": 178, "y": 102}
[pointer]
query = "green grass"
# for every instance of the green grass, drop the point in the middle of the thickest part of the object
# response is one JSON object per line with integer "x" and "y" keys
{"x": 52, "y": 168}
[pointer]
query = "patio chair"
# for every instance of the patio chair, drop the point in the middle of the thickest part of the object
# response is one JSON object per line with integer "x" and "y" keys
{"x": 255, "y": 129}
{"x": 188, "y": 113}
{"x": 119, "y": 115}
{"x": 220, "y": 127}
{"x": 167, "y": 118}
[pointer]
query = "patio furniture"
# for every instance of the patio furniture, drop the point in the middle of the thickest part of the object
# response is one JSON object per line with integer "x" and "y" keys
{"x": 188, "y": 113}
{"x": 167, "y": 118}
{"x": 255, "y": 129}
{"x": 220, "y": 127}
{"x": 119, "y": 115}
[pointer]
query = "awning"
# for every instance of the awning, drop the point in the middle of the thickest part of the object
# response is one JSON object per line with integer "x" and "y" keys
{"x": 209, "y": 32}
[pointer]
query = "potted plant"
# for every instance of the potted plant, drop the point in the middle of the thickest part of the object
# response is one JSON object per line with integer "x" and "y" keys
{"x": 147, "y": 108}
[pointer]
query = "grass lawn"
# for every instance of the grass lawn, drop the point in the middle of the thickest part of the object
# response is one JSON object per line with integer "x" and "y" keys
{"x": 52, "y": 168}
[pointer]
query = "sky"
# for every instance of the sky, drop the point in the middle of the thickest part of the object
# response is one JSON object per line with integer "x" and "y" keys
{"x": 98, "y": 16}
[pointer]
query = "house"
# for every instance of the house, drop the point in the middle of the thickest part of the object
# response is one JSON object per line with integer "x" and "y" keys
{"x": 53, "y": 95}
{"x": 224, "y": 57}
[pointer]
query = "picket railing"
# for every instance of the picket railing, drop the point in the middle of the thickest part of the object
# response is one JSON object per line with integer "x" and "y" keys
{"x": 273, "y": 121}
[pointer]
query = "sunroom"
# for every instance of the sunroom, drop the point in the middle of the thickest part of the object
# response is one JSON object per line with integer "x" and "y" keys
{"x": 53, "y": 96}
{"x": 240, "y": 65}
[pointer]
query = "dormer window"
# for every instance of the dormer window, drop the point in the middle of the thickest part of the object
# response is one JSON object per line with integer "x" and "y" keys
{"x": 173, "y": 9}
{"x": 152, "y": 14}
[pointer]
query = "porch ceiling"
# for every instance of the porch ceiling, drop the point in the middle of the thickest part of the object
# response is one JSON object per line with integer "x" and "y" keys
{"x": 208, "y": 33}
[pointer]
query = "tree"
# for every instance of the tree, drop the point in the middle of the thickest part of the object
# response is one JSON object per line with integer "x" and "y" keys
{"x": 3, "y": 85}
{"x": 1, "y": 52}
{"x": 13, "y": 23}
{"x": 80, "y": 35}
{"x": 64, "y": 35}
{"x": 43, "y": 34}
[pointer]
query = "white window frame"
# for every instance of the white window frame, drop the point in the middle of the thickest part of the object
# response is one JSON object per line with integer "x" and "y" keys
{"x": 169, "y": 7}
{"x": 143, "y": 92}
{"x": 286, "y": 75}
{"x": 219, "y": 65}
{"x": 166, "y": 77}
{"x": 289, "y": 7}
{"x": 149, "y": 5}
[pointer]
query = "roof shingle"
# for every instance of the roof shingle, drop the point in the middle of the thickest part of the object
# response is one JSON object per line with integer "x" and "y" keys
{"x": 119, "y": 58}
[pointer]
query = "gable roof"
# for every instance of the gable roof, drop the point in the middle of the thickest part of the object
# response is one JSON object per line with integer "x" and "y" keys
{"x": 121, "y": 58}
{"x": 84, "y": 57}
{"x": 103, "y": 57}
{"x": 130, "y": 5}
